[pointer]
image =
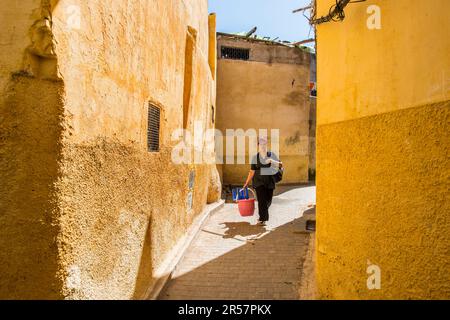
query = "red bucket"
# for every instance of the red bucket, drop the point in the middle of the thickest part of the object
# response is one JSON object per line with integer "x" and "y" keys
{"x": 247, "y": 207}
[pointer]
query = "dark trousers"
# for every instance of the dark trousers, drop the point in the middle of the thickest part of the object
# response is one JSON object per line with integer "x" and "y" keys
{"x": 265, "y": 196}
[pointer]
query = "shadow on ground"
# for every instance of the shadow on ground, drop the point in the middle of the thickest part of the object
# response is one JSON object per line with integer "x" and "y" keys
{"x": 268, "y": 267}
{"x": 242, "y": 229}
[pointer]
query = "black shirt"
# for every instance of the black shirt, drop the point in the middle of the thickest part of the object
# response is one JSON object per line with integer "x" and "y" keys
{"x": 264, "y": 171}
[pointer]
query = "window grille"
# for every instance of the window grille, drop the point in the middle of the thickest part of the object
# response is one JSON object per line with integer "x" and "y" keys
{"x": 235, "y": 53}
{"x": 154, "y": 123}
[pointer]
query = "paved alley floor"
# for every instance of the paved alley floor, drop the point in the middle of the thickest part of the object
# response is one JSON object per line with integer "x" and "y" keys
{"x": 233, "y": 258}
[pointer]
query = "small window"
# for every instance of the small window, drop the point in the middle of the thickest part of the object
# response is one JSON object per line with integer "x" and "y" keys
{"x": 154, "y": 122}
{"x": 235, "y": 53}
{"x": 213, "y": 114}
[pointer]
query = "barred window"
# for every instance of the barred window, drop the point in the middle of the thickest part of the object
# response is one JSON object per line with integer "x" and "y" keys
{"x": 154, "y": 123}
{"x": 235, "y": 53}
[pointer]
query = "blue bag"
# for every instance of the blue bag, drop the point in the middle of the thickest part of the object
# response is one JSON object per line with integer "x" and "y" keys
{"x": 240, "y": 194}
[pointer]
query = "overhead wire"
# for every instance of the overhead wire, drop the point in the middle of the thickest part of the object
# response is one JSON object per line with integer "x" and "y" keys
{"x": 336, "y": 12}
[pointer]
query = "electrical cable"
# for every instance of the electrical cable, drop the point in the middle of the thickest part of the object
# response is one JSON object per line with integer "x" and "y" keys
{"x": 336, "y": 12}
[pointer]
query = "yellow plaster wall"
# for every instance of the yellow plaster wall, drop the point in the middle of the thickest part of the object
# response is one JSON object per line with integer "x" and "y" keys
{"x": 382, "y": 151}
{"x": 109, "y": 211}
{"x": 402, "y": 65}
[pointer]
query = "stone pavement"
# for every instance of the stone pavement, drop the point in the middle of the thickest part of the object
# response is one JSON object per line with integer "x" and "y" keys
{"x": 233, "y": 258}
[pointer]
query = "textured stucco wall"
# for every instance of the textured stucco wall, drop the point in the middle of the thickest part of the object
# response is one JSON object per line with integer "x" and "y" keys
{"x": 30, "y": 148}
{"x": 382, "y": 152}
{"x": 268, "y": 92}
{"x": 104, "y": 211}
{"x": 31, "y": 109}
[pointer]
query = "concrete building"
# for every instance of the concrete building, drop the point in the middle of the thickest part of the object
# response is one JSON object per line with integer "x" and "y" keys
{"x": 383, "y": 145}
{"x": 264, "y": 85}
{"x": 91, "y": 92}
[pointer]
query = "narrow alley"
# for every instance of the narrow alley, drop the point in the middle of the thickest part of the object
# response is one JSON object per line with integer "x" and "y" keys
{"x": 234, "y": 258}
{"x": 131, "y": 133}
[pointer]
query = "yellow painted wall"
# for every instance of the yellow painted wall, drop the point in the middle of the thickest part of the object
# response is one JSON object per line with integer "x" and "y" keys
{"x": 382, "y": 151}
{"x": 261, "y": 95}
{"x": 87, "y": 212}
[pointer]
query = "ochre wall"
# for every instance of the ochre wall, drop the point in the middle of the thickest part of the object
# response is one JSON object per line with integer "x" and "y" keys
{"x": 88, "y": 213}
{"x": 31, "y": 109}
{"x": 382, "y": 151}
{"x": 263, "y": 95}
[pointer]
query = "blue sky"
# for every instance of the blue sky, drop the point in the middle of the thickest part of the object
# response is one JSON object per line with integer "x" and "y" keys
{"x": 274, "y": 18}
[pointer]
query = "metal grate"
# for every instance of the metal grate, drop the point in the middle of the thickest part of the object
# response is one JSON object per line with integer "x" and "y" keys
{"x": 235, "y": 53}
{"x": 154, "y": 119}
